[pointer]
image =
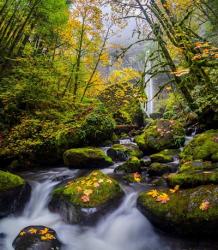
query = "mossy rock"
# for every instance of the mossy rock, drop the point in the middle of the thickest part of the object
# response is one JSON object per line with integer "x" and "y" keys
{"x": 197, "y": 165}
{"x": 10, "y": 181}
{"x": 14, "y": 193}
{"x": 37, "y": 237}
{"x": 158, "y": 169}
{"x": 119, "y": 152}
{"x": 86, "y": 158}
{"x": 202, "y": 147}
{"x": 86, "y": 199}
{"x": 182, "y": 213}
{"x": 161, "y": 134}
{"x": 193, "y": 178}
{"x": 131, "y": 166}
{"x": 166, "y": 155}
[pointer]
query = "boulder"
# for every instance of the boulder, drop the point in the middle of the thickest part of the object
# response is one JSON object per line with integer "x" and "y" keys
{"x": 85, "y": 158}
{"x": 14, "y": 193}
{"x": 86, "y": 199}
{"x": 119, "y": 152}
{"x": 194, "y": 173}
{"x": 189, "y": 212}
{"x": 202, "y": 147}
{"x": 166, "y": 155}
{"x": 131, "y": 166}
{"x": 158, "y": 169}
{"x": 37, "y": 238}
{"x": 161, "y": 134}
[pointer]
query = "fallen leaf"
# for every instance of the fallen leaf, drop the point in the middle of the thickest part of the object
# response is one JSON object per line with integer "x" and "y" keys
{"x": 44, "y": 231}
{"x": 205, "y": 205}
{"x": 32, "y": 230}
{"x": 153, "y": 193}
{"x": 163, "y": 198}
{"x": 85, "y": 198}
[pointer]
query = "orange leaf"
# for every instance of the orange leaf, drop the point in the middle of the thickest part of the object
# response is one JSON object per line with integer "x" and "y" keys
{"x": 205, "y": 205}
{"x": 163, "y": 198}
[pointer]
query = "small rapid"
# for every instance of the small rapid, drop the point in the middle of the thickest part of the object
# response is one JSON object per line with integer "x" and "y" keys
{"x": 125, "y": 228}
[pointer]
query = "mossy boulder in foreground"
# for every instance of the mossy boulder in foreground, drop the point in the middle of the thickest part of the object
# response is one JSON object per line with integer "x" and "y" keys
{"x": 86, "y": 158}
{"x": 161, "y": 134}
{"x": 202, "y": 147}
{"x": 86, "y": 199}
{"x": 189, "y": 212}
{"x": 37, "y": 237}
{"x": 14, "y": 193}
{"x": 119, "y": 152}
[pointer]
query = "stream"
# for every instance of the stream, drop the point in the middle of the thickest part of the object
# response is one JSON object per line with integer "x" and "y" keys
{"x": 124, "y": 229}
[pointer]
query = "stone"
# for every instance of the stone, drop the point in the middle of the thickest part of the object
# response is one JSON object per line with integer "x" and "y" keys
{"x": 86, "y": 158}
{"x": 86, "y": 199}
{"x": 184, "y": 214}
{"x": 37, "y": 238}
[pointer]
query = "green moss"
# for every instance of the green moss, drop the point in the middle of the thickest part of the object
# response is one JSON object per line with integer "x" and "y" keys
{"x": 166, "y": 155}
{"x": 196, "y": 165}
{"x": 202, "y": 147}
{"x": 126, "y": 150}
{"x": 158, "y": 169}
{"x": 86, "y": 158}
{"x": 193, "y": 178}
{"x": 99, "y": 186}
{"x": 161, "y": 134}
{"x": 8, "y": 181}
{"x": 183, "y": 208}
{"x": 130, "y": 166}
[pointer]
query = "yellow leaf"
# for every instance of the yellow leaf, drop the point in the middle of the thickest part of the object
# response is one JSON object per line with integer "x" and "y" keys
{"x": 153, "y": 193}
{"x": 32, "y": 230}
{"x": 163, "y": 198}
{"x": 175, "y": 189}
{"x": 44, "y": 231}
{"x": 22, "y": 233}
{"x": 205, "y": 205}
{"x": 88, "y": 192}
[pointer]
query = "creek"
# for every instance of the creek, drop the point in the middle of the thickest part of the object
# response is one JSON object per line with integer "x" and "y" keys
{"x": 123, "y": 229}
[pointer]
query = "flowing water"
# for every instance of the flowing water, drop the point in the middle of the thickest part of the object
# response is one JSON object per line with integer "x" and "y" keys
{"x": 124, "y": 229}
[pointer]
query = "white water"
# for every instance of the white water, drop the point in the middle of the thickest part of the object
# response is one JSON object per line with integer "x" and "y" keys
{"x": 124, "y": 229}
{"x": 149, "y": 90}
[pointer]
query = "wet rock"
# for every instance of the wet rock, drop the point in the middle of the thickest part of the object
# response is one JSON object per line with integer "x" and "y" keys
{"x": 165, "y": 156}
{"x": 86, "y": 199}
{"x": 84, "y": 158}
{"x": 161, "y": 134}
{"x": 120, "y": 152}
{"x": 202, "y": 147}
{"x": 184, "y": 213}
{"x": 159, "y": 169}
{"x": 37, "y": 238}
{"x": 14, "y": 194}
{"x": 131, "y": 166}
{"x": 145, "y": 161}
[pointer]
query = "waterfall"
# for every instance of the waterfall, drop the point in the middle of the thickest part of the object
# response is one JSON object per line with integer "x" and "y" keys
{"x": 149, "y": 90}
